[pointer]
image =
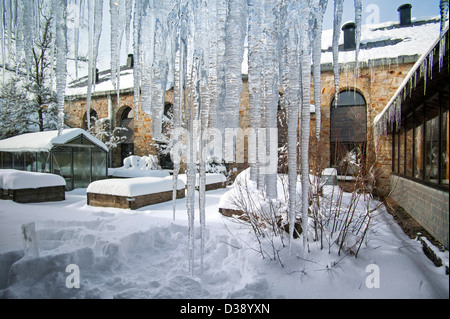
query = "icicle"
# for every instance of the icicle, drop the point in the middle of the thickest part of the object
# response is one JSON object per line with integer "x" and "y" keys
{"x": 136, "y": 53}
{"x": 255, "y": 61}
{"x": 319, "y": 7}
{"x": 358, "y": 21}
{"x": 338, "y": 9}
{"x": 91, "y": 71}
{"x": 234, "y": 53}
{"x": 444, "y": 15}
{"x": 76, "y": 34}
{"x": 61, "y": 58}
{"x": 203, "y": 25}
{"x": 271, "y": 89}
{"x": 2, "y": 38}
{"x": 292, "y": 93}
{"x": 305, "y": 115}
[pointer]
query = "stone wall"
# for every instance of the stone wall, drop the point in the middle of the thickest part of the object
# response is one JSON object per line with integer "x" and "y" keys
{"x": 144, "y": 144}
{"x": 377, "y": 85}
{"x": 427, "y": 205}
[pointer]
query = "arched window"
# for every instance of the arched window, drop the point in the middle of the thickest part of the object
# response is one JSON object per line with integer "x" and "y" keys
{"x": 348, "y": 131}
{"x": 93, "y": 118}
{"x": 127, "y": 121}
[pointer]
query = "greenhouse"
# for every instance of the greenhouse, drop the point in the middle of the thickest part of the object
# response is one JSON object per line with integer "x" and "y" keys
{"x": 75, "y": 155}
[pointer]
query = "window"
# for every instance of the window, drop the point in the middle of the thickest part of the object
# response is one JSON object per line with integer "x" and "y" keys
{"x": 421, "y": 146}
{"x": 348, "y": 131}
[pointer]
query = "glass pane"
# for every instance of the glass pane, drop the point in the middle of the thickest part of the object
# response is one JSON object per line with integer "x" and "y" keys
{"x": 62, "y": 165}
{"x": 402, "y": 151}
{"x": 409, "y": 147}
{"x": 7, "y": 160}
{"x": 445, "y": 147}
{"x": 98, "y": 165}
{"x": 350, "y": 98}
{"x": 75, "y": 141}
{"x": 418, "y": 152}
{"x": 19, "y": 161}
{"x": 432, "y": 150}
{"x": 43, "y": 164}
{"x": 87, "y": 142}
{"x": 81, "y": 167}
{"x": 30, "y": 162}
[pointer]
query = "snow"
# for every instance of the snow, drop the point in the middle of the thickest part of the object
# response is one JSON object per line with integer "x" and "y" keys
{"x": 211, "y": 178}
{"x": 44, "y": 141}
{"x": 415, "y": 40}
{"x": 14, "y": 179}
{"x": 132, "y": 186}
{"x": 129, "y": 172}
{"x": 142, "y": 254}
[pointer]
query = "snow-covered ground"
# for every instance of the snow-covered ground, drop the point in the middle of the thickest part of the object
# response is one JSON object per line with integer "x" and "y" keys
{"x": 144, "y": 254}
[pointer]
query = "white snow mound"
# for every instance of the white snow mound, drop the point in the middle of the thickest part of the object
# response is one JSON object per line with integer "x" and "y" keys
{"x": 14, "y": 179}
{"x": 132, "y": 186}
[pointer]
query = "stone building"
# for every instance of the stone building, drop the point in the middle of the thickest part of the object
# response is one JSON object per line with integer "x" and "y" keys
{"x": 387, "y": 53}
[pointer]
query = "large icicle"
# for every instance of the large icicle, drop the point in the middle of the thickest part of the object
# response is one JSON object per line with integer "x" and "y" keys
{"x": 305, "y": 48}
{"x": 255, "y": 62}
{"x": 61, "y": 58}
{"x": 292, "y": 95}
{"x": 444, "y": 15}
{"x": 203, "y": 41}
{"x": 236, "y": 24}
{"x": 271, "y": 94}
{"x": 358, "y": 21}
{"x": 319, "y": 8}
{"x": 338, "y": 9}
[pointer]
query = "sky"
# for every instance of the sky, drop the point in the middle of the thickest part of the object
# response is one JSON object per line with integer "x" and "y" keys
{"x": 381, "y": 10}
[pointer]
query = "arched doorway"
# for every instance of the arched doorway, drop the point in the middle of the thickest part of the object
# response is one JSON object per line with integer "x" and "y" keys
{"x": 348, "y": 134}
{"x": 165, "y": 161}
{"x": 93, "y": 118}
{"x": 126, "y": 120}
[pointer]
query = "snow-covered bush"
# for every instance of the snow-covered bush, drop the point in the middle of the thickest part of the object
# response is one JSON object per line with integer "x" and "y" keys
{"x": 149, "y": 162}
{"x": 338, "y": 221}
{"x": 213, "y": 164}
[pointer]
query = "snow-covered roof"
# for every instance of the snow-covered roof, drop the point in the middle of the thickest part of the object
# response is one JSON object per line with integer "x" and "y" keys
{"x": 392, "y": 111}
{"x": 387, "y": 40}
{"x": 45, "y": 141}
{"x": 104, "y": 84}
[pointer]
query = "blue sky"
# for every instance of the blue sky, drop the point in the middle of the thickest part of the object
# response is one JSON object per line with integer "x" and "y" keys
{"x": 387, "y": 10}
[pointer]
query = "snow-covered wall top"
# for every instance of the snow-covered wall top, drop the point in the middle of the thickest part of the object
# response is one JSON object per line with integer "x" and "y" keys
{"x": 44, "y": 141}
{"x": 385, "y": 41}
{"x": 14, "y": 179}
{"x": 133, "y": 186}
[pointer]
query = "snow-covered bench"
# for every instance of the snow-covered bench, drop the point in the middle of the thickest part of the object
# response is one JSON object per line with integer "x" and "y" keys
{"x": 132, "y": 193}
{"x": 213, "y": 180}
{"x": 31, "y": 187}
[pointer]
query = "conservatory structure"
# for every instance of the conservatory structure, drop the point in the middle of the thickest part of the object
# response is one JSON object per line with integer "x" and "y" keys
{"x": 75, "y": 155}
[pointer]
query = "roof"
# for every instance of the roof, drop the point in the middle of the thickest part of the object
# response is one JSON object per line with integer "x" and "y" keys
{"x": 392, "y": 111}
{"x": 386, "y": 41}
{"x": 45, "y": 141}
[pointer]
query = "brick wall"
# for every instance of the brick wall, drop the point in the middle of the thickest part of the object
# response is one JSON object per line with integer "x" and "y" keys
{"x": 427, "y": 205}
